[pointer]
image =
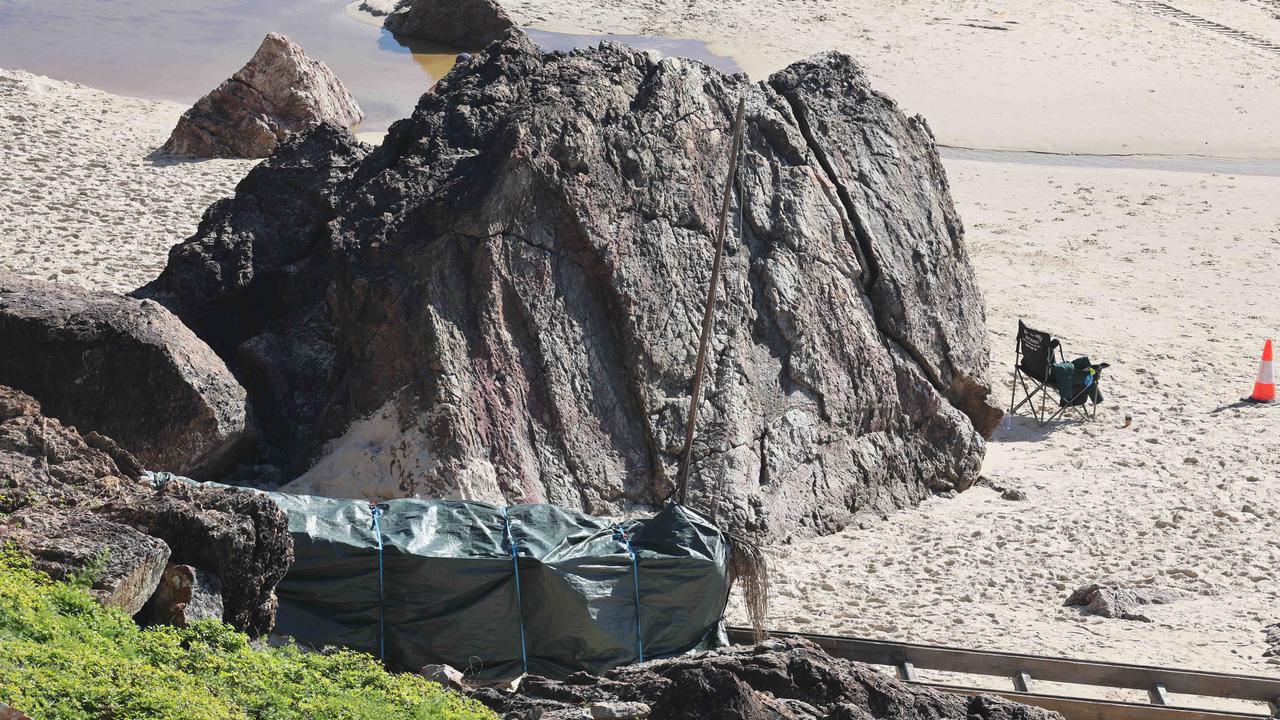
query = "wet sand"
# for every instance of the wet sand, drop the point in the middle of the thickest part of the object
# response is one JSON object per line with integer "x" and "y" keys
{"x": 184, "y": 49}
{"x": 1092, "y": 76}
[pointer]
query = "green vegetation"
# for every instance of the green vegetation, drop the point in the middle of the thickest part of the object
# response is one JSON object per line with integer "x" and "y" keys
{"x": 64, "y": 657}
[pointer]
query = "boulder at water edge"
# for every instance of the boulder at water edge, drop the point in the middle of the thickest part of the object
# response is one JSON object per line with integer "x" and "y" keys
{"x": 466, "y": 24}
{"x": 503, "y": 301}
{"x": 280, "y": 91}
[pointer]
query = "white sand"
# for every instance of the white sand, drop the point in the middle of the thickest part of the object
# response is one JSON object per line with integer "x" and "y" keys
{"x": 1169, "y": 276}
{"x": 79, "y": 199}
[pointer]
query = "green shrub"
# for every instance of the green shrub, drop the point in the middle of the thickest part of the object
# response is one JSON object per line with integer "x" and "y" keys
{"x": 65, "y": 657}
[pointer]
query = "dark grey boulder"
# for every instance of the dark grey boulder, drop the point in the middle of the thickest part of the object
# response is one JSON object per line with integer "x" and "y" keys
{"x": 65, "y": 503}
{"x": 125, "y": 369}
{"x": 1115, "y": 601}
{"x": 184, "y": 595}
{"x": 502, "y": 302}
{"x": 469, "y": 24}
{"x": 776, "y": 680}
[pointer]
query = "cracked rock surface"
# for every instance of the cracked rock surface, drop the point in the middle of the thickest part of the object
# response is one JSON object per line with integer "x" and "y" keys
{"x": 503, "y": 301}
{"x": 71, "y": 505}
{"x": 122, "y": 370}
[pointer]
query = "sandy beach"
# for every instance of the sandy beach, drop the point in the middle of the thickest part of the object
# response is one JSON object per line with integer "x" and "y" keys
{"x": 1096, "y": 76}
{"x": 81, "y": 197}
{"x": 1164, "y": 275}
{"x": 1168, "y": 274}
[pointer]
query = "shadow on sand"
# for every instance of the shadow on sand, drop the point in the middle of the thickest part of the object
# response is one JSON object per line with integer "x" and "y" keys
{"x": 1028, "y": 429}
{"x": 159, "y": 158}
{"x": 1242, "y": 403}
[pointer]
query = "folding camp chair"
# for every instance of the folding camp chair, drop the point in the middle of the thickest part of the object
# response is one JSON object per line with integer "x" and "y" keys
{"x": 1041, "y": 368}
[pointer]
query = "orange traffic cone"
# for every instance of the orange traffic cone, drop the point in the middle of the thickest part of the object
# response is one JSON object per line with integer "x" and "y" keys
{"x": 1264, "y": 390}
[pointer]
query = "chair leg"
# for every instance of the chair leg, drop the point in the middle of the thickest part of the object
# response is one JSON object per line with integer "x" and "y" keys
{"x": 1013, "y": 397}
{"x": 1029, "y": 396}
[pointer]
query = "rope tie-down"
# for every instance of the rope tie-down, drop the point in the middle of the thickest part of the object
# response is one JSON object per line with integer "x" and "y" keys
{"x": 376, "y": 510}
{"x": 515, "y": 564}
{"x": 621, "y": 534}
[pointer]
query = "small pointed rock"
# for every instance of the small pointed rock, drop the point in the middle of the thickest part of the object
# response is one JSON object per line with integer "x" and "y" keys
{"x": 280, "y": 91}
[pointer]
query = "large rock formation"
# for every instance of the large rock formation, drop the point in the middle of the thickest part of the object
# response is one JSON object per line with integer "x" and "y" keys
{"x": 124, "y": 368}
{"x": 280, "y": 91}
{"x": 503, "y": 301}
{"x": 468, "y": 24}
{"x": 776, "y": 680}
{"x": 76, "y": 509}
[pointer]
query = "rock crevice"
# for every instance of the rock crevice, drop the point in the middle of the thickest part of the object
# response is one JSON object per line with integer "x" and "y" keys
{"x": 776, "y": 680}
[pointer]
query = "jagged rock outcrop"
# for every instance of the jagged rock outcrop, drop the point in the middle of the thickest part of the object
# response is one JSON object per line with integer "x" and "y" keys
{"x": 123, "y": 370}
{"x": 776, "y": 680}
{"x": 467, "y": 24}
{"x": 503, "y": 301}
{"x": 65, "y": 502}
{"x": 124, "y": 565}
{"x": 279, "y": 92}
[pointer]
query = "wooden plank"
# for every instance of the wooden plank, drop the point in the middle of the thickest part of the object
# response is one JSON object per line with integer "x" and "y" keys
{"x": 1073, "y": 708}
{"x": 1022, "y": 681}
{"x": 1084, "y": 672}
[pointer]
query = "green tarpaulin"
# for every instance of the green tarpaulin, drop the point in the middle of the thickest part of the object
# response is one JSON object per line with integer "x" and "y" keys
{"x": 500, "y": 591}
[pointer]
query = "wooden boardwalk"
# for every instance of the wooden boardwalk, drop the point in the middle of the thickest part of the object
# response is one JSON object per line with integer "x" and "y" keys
{"x": 1027, "y": 671}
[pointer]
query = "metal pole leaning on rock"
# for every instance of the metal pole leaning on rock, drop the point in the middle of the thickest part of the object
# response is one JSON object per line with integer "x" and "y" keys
{"x": 707, "y": 315}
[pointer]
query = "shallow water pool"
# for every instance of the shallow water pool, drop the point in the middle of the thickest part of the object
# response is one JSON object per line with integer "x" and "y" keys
{"x": 180, "y": 49}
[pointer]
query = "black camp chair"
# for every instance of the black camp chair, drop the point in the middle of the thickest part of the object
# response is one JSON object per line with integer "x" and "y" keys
{"x": 1040, "y": 368}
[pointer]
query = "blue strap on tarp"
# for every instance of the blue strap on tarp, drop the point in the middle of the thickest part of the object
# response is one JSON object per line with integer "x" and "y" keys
{"x": 515, "y": 563}
{"x": 376, "y": 511}
{"x": 625, "y": 537}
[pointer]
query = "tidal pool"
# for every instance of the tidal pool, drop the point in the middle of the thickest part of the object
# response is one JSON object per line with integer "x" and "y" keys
{"x": 180, "y": 49}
